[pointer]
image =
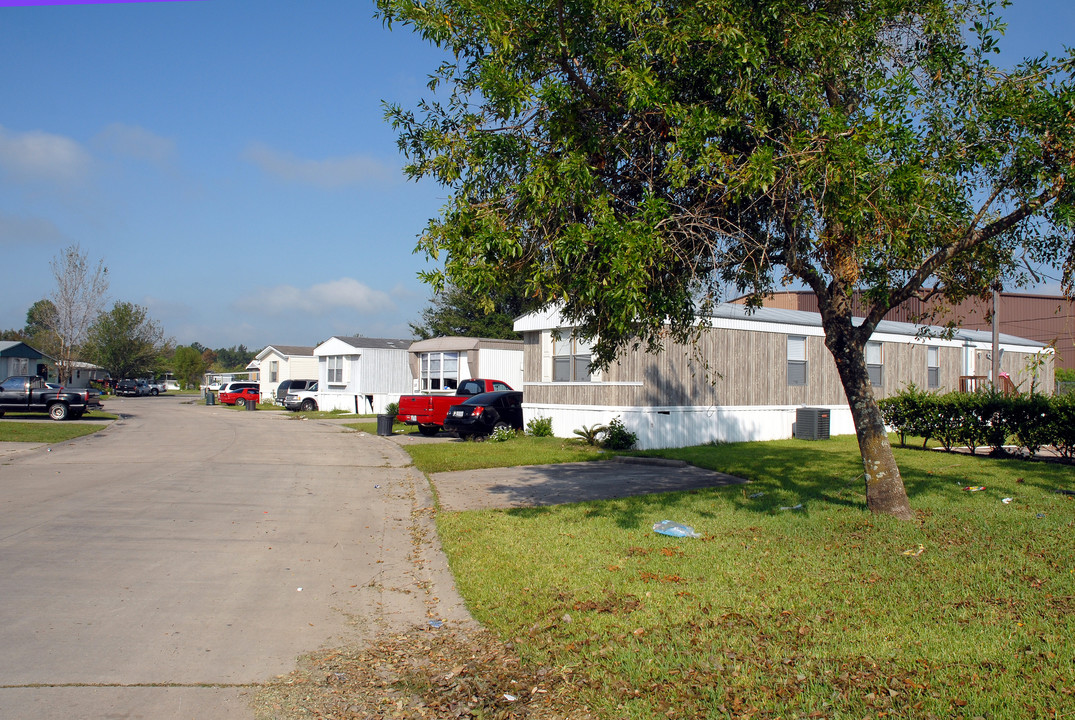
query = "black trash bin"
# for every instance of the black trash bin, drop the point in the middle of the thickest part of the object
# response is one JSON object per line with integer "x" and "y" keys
{"x": 210, "y": 398}
{"x": 250, "y": 404}
{"x": 384, "y": 424}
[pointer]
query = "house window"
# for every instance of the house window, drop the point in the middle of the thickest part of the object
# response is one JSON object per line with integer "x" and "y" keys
{"x": 335, "y": 369}
{"x": 274, "y": 370}
{"x": 796, "y": 360}
{"x": 933, "y": 368}
{"x": 440, "y": 370}
{"x": 571, "y": 360}
{"x": 874, "y": 364}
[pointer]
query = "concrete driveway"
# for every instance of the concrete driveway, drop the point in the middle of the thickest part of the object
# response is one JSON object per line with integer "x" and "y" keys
{"x": 539, "y": 485}
{"x": 168, "y": 565}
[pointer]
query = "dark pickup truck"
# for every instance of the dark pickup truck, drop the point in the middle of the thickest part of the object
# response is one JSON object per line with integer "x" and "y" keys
{"x": 428, "y": 411}
{"x": 29, "y": 393}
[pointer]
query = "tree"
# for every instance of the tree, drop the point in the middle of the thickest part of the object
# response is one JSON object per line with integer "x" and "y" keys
{"x": 237, "y": 357}
{"x": 452, "y": 311}
{"x": 627, "y": 159}
{"x": 78, "y": 299}
{"x": 38, "y": 333}
{"x": 125, "y": 341}
{"x": 189, "y": 365}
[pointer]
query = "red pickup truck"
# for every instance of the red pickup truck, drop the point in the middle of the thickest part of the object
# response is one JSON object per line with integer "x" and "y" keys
{"x": 428, "y": 411}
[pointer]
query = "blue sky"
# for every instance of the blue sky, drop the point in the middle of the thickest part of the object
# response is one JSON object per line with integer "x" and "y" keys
{"x": 229, "y": 162}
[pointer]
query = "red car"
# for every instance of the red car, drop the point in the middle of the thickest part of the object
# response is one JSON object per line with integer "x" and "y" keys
{"x": 232, "y": 398}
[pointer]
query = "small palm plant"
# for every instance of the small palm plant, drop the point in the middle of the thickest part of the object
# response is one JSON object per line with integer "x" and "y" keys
{"x": 591, "y": 435}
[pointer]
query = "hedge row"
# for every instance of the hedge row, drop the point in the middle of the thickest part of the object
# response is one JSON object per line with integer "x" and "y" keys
{"x": 984, "y": 419}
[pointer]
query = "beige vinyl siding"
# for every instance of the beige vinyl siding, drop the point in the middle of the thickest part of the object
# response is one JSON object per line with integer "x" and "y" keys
{"x": 731, "y": 368}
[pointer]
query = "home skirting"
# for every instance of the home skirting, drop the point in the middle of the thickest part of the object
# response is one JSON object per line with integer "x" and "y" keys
{"x": 667, "y": 427}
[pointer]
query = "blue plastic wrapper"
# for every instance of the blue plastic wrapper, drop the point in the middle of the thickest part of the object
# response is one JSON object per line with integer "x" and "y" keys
{"x": 674, "y": 529}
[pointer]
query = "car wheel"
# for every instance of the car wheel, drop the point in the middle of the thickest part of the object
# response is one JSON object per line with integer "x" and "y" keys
{"x": 154, "y": 392}
{"x": 58, "y": 411}
{"x": 309, "y": 405}
{"x": 428, "y": 430}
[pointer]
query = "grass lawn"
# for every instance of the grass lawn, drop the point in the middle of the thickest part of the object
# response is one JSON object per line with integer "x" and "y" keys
{"x": 823, "y": 612}
{"x": 524, "y": 450}
{"x": 48, "y": 431}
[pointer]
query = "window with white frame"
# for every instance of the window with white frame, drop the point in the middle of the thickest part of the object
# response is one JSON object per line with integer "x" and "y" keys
{"x": 571, "y": 359}
{"x": 796, "y": 360}
{"x": 335, "y": 369}
{"x": 274, "y": 370}
{"x": 875, "y": 364}
{"x": 933, "y": 367}
{"x": 440, "y": 370}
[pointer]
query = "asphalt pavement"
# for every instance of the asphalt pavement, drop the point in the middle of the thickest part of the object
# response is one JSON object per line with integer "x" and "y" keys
{"x": 168, "y": 565}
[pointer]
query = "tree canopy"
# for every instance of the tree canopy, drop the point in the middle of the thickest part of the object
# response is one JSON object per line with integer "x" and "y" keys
{"x": 453, "y": 311}
{"x": 629, "y": 159}
{"x": 189, "y": 365}
{"x": 125, "y": 341}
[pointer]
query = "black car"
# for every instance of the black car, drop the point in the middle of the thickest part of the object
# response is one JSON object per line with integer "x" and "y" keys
{"x": 127, "y": 387}
{"x": 480, "y": 415}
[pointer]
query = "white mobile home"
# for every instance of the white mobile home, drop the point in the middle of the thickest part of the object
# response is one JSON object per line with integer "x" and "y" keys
{"x": 284, "y": 362}
{"x": 362, "y": 375}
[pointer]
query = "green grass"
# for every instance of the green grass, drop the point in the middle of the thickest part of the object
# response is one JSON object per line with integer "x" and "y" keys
{"x": 790, "y": 613}
{"x": 369, "y": 425}
{"x": 316, "y": 414}
{"x": 524, "y": 450}
{"x": 48, "y": 431}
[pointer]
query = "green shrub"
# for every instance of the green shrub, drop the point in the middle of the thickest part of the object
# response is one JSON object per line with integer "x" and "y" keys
{"x": 539, "y": 427}
{"x": 618, "y": 437}
{"x": 391, "y": 409}
{"x": 591, "y": 435}
{"x": 502, "y": 434}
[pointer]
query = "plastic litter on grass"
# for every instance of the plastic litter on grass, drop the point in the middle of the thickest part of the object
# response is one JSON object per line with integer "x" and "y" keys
{"x": 674, "y": 529}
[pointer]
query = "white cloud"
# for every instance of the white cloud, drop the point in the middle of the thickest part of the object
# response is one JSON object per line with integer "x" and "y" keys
{"x": 320, "y": 299}
{"x": 138, "y": 143}
{"x": 37, "y": 155}
{"x": 27, "y": 231}
{"x": 328, "y": 173}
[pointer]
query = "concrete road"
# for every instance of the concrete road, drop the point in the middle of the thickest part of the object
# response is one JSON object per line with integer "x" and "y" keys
{"x": 168, "y": 565}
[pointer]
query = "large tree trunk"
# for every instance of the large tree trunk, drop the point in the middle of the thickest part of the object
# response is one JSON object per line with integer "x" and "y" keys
{"x": 885, "y": 492}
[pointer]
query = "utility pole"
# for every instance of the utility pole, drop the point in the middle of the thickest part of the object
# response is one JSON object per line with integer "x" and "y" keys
{"x": 996, "y": 339}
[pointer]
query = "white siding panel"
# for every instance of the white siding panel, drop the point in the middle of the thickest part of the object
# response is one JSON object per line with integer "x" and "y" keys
{"x": 506, "y": 365}
{"x": 385, "y": 371}
{"x": 686, "y": 426}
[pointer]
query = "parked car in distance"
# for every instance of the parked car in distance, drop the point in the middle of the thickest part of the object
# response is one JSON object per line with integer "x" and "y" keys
{"x": 305, "y": 400}
{"x": 128, "y": 387}
{"x": 291, "y": 386}
{"x": 155, "y": 388}
{"x": 232, "y": 397}
{"x": 480, "y": 415}
{"x": 237, "y": 385}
